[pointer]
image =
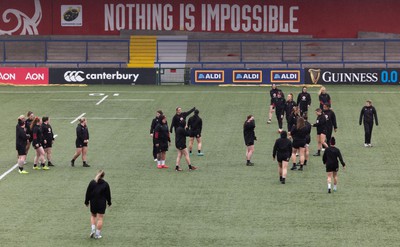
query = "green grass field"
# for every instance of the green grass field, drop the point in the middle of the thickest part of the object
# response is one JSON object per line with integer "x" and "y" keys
{"x": 224, "y": 203}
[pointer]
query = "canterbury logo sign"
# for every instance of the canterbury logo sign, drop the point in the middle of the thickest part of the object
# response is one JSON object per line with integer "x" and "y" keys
{"x": 80, "y": 76}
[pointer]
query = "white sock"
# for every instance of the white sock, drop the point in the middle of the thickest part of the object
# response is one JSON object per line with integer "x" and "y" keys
{"x": 334, "y": 187}
{"x": 93, "y": 228}
{"x": 162, "y": 162}
{"x": 98, "y": 232}
{"x": 329, "y": 186}
{"x": 159, "y": 162}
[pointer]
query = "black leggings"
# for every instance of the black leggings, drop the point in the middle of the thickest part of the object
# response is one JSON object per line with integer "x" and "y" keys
{"x": 279, "y": 117}
{"x": 368, "y": 132}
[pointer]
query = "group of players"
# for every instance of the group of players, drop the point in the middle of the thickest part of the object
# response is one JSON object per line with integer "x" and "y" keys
{"x": 160, "y": 133}
{"x": 36, "y": 131}
{"x": 299, "y": 130}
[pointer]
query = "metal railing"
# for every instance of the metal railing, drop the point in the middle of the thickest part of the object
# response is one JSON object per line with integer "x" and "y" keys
{"x": 291, "y": 53}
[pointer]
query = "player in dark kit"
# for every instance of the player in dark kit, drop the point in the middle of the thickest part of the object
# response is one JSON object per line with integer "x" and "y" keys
{"x": 249, "y": 138}
{"x": 154, "y": 123}
{"x": 367, "y": 115}
{"x": 81, "y": 142}
{"x": 21, "y": 141}
{"x": 330, "y": 122}
{"x": 324, "y": 98}
{"x": 321, "y": 130}
{"x": 279, "y": 105}
{"x": 29, "y": 118}
{"x": 293, "y": 118}
{"x": 48, "y": 139}
{"x": 162, "y": 141}
{"x": 274, "y": 94}
{"x": 330, "y": 159}
{"x": 98, "y": 195}
{"x": 180, "y": 144}
{"x": 308, "y": 138}
{"x": 299, "y": 134}
{"x": 304, "y": 101}
{"x": 195, "y": 125}
{"x": 282, "y": 150}
{"x": 177, "y": 117}
{"x": 37, "y": 143}
{"x": 289, "y": 108}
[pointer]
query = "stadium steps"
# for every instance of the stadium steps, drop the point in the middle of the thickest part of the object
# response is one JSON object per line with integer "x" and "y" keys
{"x": 142, "y": 50}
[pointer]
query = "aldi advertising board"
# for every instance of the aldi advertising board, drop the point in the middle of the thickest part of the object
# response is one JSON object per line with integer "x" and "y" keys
{"x": 244, "y": 76}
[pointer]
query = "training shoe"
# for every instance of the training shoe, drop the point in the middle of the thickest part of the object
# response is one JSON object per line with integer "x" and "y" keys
{"x": 269, "y": 121}
{"x": 293, "y": 168}
{"x": 36, "y": 168}
{"x": 165, "y": 166}
{"x": 23, "y": 172}
{"x": 283, "y": 181}
{"x": 178, "y": 169}
{"x": 369, "y": 145}
{"x": 250, "y": 164}
{"x": 317, "y": 154}
{"x": 323, "y": 149}
{"x": 92, "y": 233}
{"x": 334, "y": 189}
{"x": 45, "y": 168}
{"x": 86, "y": 165}
{"x": 49, "y": 164}
{"x": 200, "y": 154}
{"x": 72, "y": 163}
{"x": 155, "y": 160}
{"x": 193, "y": 168}
{"x": 159, "y": 166}
{"x": 329, "y": 191}
{"x": 301, "y": 168}
{"x": 97, "y": 236}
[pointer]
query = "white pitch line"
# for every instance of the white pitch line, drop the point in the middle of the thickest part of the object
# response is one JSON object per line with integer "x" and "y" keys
{"x": 7, "y": 172}
{"x": 76, "y": 119}
{"x": 131, "y": 99}
{"x": 111, "y": 118}
{"x": 104, "y": 98}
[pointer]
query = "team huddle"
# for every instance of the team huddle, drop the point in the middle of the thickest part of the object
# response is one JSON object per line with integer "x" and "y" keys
{"x": 160, "y": 133}
{"x": 296, "y": 140}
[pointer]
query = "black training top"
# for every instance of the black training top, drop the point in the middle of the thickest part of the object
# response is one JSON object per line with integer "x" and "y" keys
{"x": 289, "y": 108}
{"x": 283, "y": 146}
{"x": 37, "y": 135}
{"x": 279, "y": 104}
{"x": 47, "y": 132}
{"x": 28, "y": 126}
{"x": 248, "y": 131}
{"x": 331, "y": 156}
{"x": 161, "y": 134}
{"x": 98, "y": 193}
{"x": 324, "y": 98}
{"x": 299, "y": 134}
{"x": 180, "y": 137}
{"x": 368, "y": 113}
{"x": 303, "y": 100}
{"x": 320, "y": 123}
{"x": 330, "y": 119}
{"x": 21, "y": 138}
{"x": 154, "y": 123}
{"x": 177, "y": 118}
{"x": 195, "y": 123}
{"x": 293, "y": 120}
{"x": 82, "y": 133}
{"x": 308, "y": 129}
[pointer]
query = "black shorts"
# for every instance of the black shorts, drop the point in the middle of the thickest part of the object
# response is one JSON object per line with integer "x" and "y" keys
{"x": 332, "y": 168}
{"x": 80, "y": 144}
{"x": 163, "y": 147}
{"x": 299, "y": 144}
{"x": 48, "y": 144}
{"x": 98, "y": 209}
{"x": 195, "y": 133}
{"x": 250, "y": 143}
{"x": 21, "y": 150}
{"x": 283, "y": 157}
{"x": 319, "y": 132}
{"x": 181, "y": 147}
{"x": 34, "y": 146}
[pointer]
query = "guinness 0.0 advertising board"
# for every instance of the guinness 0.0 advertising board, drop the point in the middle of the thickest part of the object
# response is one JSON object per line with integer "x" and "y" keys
{"x": 352, "y": 76}
{"x": 103, "y": 76}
